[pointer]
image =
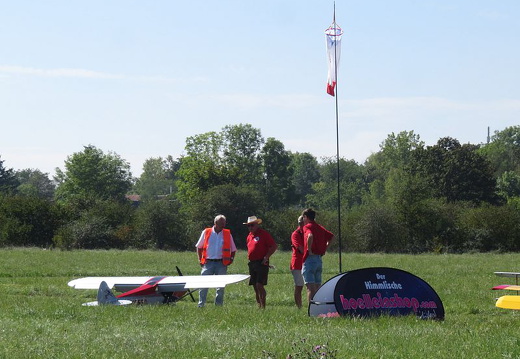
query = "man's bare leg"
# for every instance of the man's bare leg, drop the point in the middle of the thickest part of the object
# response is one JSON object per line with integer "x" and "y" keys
{"x": 260, "y": 295}
{"x": 298, "y": 296}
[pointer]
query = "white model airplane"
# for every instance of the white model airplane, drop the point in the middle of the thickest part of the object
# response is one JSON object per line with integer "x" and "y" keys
{"x": 151, "y": 290}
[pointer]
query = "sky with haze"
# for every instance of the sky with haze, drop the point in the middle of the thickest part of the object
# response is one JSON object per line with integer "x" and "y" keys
{"x": 139, "y": 77}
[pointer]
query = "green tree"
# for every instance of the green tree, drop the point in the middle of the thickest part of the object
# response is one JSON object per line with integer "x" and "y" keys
{"x": 202, "y": 166}
{"x": 35, "y": 183}
{"x": 306, "y": 172}
{"x": 27, "y": 221}
{"x": 508, "y": 185}
{"x": 395, "y": 152}
{"x": 504, "y": 150}
{"x": 156, "y": 180}
{"x": 160, "y": 225}
{"x": 8, "y": 181}
{"x": 171, "y": 166}
{"x": 213, "y": 159}
{"x": 491, "y": 228}
{"x": 94, "y": 223}
{"x": 384, "y": 169}
{"x": 325, "y": 192}
{"x": 92, "y": 174}
{"x": 457, "y": 172}
{"x": 241, "y": 148}
{"x": 379, "y": 229}
{"x": 278, "y": 188}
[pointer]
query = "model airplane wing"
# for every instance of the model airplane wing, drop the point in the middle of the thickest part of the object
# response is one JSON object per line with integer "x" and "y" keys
{"x": 164, "y": 284}
{"x": 507, "y": 287}
{"x": 508, "y": 274}
{"x": 515, "y": 275}
{"x": 94, "y": 282}
{"x": 206, "y": 281}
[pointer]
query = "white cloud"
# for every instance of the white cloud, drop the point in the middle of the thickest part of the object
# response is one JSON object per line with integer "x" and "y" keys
{"x": 86, "y": 74}
{"x": 492, "y": 15}
{"x": 404, "y": 110}
{"x": 78, "y": 73}
{"x": 250, "y": 101}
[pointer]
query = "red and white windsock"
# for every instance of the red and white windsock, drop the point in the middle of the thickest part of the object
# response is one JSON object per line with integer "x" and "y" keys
{"x": 333, "y": 39}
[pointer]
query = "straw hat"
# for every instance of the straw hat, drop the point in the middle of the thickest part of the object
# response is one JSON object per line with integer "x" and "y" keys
{"x": 253, "y": 219}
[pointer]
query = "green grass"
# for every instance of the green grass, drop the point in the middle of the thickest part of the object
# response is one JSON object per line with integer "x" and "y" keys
{"x": 41, "y": 317}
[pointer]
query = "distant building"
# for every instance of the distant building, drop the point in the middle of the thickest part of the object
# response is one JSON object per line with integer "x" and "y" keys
{"x": 134, "y": 198}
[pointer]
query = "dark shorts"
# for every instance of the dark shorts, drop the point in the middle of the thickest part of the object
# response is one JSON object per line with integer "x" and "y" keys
{"x": 258, "y": 272}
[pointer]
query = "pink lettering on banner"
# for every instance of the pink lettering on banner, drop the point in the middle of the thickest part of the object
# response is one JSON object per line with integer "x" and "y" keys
{"x": 353, "y": 303}
{"x": 380, "y": 302}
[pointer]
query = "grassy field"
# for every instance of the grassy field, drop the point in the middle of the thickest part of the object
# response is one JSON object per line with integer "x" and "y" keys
{"x": 41, "y": 317}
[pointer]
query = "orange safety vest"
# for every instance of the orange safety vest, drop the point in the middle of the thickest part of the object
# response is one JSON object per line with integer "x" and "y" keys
{"x": 226, "y": 246}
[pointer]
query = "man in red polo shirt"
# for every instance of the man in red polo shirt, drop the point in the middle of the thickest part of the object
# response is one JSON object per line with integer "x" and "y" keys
{"x": 297, "y": 261}
{"x": 260, "y": 247}
{"x": 316, "y": 240}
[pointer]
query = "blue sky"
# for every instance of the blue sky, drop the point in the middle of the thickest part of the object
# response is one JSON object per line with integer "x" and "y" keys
{"x": 139, "y": 77}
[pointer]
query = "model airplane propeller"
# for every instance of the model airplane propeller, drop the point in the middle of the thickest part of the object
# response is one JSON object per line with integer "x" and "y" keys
{"x": 151, "y": 290}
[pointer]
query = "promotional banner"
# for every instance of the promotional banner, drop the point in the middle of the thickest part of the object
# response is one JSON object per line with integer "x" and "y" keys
{"x": 376, "y": 291}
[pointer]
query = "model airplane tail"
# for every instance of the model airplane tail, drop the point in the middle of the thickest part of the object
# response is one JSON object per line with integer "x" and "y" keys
{"x": 105, "y": 296}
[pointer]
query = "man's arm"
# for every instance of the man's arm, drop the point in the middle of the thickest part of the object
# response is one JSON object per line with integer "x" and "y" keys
{"x": 270, "y": 252}
{"x": 296, "y": 242}
{"x": 309, "y": 240}
{"x": 328, "y": 243}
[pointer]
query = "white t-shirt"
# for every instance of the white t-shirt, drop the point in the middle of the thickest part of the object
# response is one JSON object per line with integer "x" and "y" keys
{"x": 215, "y": 243}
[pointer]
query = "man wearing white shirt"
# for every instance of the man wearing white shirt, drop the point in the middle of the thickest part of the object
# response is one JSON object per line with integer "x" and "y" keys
{"x": 216, "y": 251}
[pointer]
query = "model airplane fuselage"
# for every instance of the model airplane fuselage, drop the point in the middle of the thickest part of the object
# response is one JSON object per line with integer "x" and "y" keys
{"x": 151, "y": 290}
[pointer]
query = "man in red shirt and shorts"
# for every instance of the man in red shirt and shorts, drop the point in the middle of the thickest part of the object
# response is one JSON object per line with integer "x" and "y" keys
{"x": 316, "y": 240}
{"x": 260, "y": 247}
{"x": 297, "y": 261}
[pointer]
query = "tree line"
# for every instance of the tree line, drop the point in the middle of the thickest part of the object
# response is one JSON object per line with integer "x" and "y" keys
{"x": 407, "y": 197}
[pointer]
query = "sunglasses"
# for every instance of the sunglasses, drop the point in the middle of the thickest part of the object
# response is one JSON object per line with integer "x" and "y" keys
{"x": 251, "y": 225}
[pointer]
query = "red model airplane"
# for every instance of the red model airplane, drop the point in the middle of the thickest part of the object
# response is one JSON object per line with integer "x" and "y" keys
{"x": 151, "y": 290}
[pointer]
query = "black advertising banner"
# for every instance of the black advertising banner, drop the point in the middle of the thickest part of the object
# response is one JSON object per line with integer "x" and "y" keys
{"x": 375, "y": 291}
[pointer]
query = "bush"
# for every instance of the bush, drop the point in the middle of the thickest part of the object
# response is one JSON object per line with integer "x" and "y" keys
{"x": 379, "y": 229}
{"x": 280, "y": 224}
{"x": 88, "y": 232}
{"x": 27, "y": 221}
{"x": 158, "y": 224}
{"x": 491, "y": 228}
{"x": 94, "y": 223}
{"x": 432, "y": 225}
